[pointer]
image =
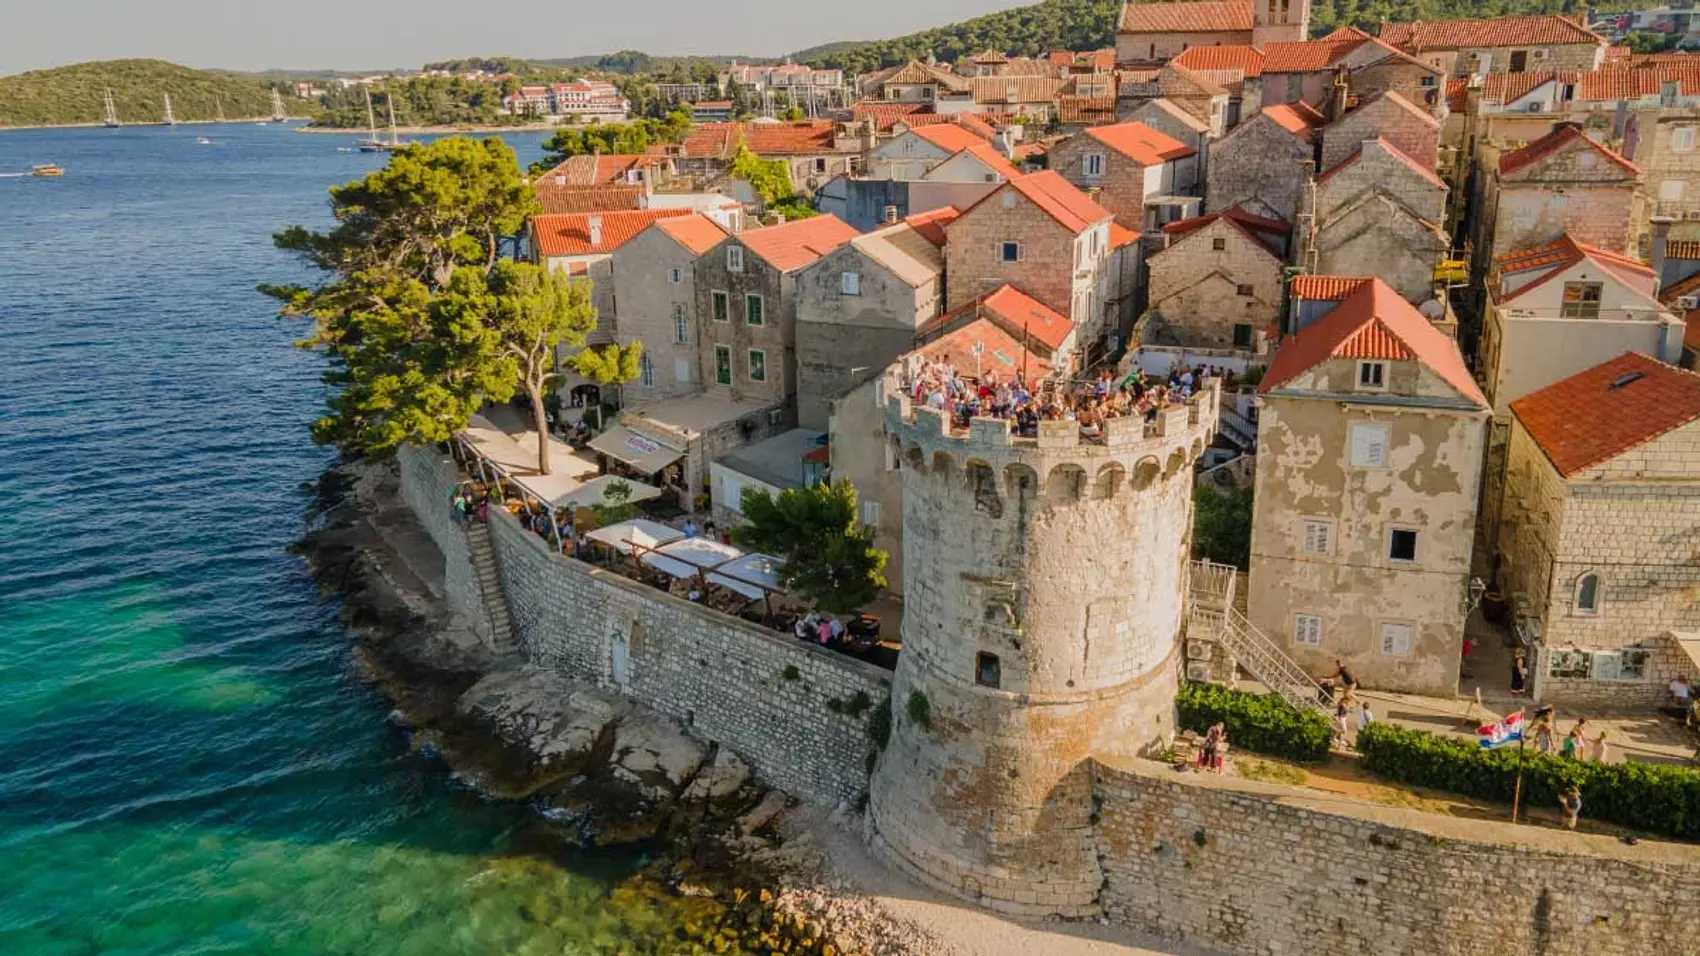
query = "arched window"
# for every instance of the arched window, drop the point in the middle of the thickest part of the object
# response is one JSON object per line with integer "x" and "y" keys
{"x": 1588, "y": 593}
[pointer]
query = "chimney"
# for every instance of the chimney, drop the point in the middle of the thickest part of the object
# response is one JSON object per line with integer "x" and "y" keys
{"x": 1661, "y": 237}
{"x": 594, "y": 226}
{"x": 890, "y": 215}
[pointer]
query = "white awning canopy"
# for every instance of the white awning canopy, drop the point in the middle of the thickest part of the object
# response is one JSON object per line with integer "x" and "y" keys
{"x": 639, "y": 531}
{"x": 595, "y": 492}
{"x": 642, "y": 452}
{"x": 687, "y": 556}
{"x": 752, "y": 575}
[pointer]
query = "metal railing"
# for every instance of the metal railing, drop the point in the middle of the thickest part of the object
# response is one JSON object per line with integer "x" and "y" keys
{"x": 1212, "y": 616}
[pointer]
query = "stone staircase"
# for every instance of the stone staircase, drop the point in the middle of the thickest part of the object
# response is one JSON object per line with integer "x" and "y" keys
{"x": 1215, "y": 615}
{"x": 490, "y": 588}
{"x": 1236, "y": 427}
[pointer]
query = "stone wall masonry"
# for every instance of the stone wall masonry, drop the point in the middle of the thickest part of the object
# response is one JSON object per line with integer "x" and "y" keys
{"x": 428, "y": 479}
{"x": 1255, "y": 868}
{"x": 724, "y": 679}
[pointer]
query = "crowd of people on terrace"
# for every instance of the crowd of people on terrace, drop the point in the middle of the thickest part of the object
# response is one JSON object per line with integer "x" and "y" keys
{"x": 1092, "y": 403}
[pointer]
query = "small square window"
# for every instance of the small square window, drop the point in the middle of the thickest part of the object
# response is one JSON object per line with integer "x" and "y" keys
{"x": 1396, "y": 638}
{"x": 1581, "y": 300}
{"x": 1243, "y": 290}
{"x": 1242, "y": 336}
{"x": 1011, "y": 252}
{"x": 1372, "y": 375}
{"x": 987, "y": 671}
{"x": 1369, "y": 445}
{"x": 734, "y": 259}
{"x": 675, "y": 276}
{"x": 758, "y": 365}
{"x": 1093, "y": 164}
{"x": 871, "y": 513}
{"x": 720, "y": 309}
{"x": 850, "y": 283}
{"x": 1307, "y": 630}
{"x": 1316, "y": 537}
{"x": 1402, "y": 544}
{"x": 753, "y": 310}
{"x": 1218, "y": 244}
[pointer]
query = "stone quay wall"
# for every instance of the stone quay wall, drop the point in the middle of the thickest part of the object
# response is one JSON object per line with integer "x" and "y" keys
{"x": 428, "y": 480}
{"x": 1255, "y": 868}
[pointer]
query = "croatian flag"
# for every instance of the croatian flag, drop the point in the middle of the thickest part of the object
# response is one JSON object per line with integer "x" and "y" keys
{"x": 1501, "y": 732}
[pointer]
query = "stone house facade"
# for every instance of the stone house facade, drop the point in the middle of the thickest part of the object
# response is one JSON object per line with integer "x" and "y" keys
{"x": 1370, "y": 442}
{"x": 1168, "y": 118}
{"x": 1601, "y": 512}
{"x": 1665, "y": 144}
{"x": 1215, "y": 289}
{"x": 859, "y": 308}
{"x": 654, "y": 280}
{"x": 1126, "y": 164}
{"x": 1380, "y": 213}
{"x": 747, "y": 298}
{"x": 1207, "y": 100}
{"x": 1264, "y": 163}
{"x": 1043, "y": 236}
{"x": 1516, "y": 44}
{"x": 908, "y": 155}
{"x": 1391, "y": 117}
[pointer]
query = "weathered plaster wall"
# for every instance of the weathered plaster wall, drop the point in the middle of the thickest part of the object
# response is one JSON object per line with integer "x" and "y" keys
{"x": 1067, "y": 562}
{"x": 428, "y": 480}
{"x": 1530, "y": 352}
{"x": 1429, "y": 484}
{"x": 1532, "y": 215}
{"x": 722, "y": 677}
{"x": 649, "y": 301}
{"x": 1258, "y": 869}
{"x": 861, "y": 454}
{"x": 843, "y": 340}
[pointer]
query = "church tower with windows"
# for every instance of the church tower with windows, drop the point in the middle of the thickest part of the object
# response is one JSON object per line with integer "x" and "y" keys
{"x": 1044, "y": 585}
{"x": 1279, "y": 21}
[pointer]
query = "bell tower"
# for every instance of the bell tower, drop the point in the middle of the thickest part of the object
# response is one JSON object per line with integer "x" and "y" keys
{"x": 1043, "y": 596}
{"x": 1279, "y": 21}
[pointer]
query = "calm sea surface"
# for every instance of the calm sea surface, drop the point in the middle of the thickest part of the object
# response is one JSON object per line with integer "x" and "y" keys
{"x": 188, "y": 763}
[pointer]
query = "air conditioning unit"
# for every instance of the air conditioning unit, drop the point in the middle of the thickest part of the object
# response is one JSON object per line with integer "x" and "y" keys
{"x": 1536, "y": 107}
{"x": 1688, "y": 301}
{"x": 1198, "y": 671}
{"x": 1198, "y": 651}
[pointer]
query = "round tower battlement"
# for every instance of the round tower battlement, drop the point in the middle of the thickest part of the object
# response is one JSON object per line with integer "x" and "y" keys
{"x": 1043, "y": 597}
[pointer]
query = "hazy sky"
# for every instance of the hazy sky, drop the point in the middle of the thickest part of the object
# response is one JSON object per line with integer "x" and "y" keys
{"x": 371, "y": 34}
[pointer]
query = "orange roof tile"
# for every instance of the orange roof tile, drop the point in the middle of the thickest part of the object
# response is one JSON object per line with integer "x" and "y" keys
{"x": 801, "y": 138}
{"x": 1299, "y": 118}
{"x": 1503, "y": 88}
{"x": 598, "y": 169}
{"x": 986, "y": 153}
{"x": 1014, "y": 89}
{"x": 1021, "y": 314}
{"x": 885, "y": 115}
{"x": 1078, "y": 110}
{"x": 1229, "y": 56}
{"x": 1312, "y": 56}
{"x": 1059, "y": 198}
{"x": 997, "y": 351}
{"x": 573, "y": 199}
{"x": 971, "y": 123}
{"x": 1596, "y": 415}
{"x": 930, "y": 224}
{"x": 1562, "y": 135}
{"x": 1691, "y": 330}
{"x": 1615, "y": 53}
{"x": 1456, "y": 94}
{"x": 1374, "y": 322}
{"x": 1267, "y": 234}
{"x": 1326, "y": 288}
{"x": 1121, "y": 235}
{"x": 1537, "y": 30}
{"x": 1189, "y": 16}
{"x": 697, "y": 233}
{"x": 948, "y": 136}
{"x": 1393, "y": 151}
{"x": 1559, "y": 255}
{"x": 790, "y": 246}
{"x": 1141, "y": 143}
{"x": 570, "y": 235}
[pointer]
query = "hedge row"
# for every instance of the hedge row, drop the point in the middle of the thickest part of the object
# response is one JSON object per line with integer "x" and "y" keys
{"x": 1658, "y": 798}
{"x": 1262, "y": 723}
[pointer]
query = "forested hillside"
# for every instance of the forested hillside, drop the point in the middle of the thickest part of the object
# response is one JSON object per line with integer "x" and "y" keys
{"x": 72, "y": 94}
{"x": 1091, "y": 24}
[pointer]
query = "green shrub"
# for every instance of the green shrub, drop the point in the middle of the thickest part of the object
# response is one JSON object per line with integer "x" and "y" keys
{"x": 920, "y": 710}
{"x": 879, "y": 725}
{"x": 858, "y": 704}
{"x": 1262, "y": 723}
{"x": 1657, "y": 798}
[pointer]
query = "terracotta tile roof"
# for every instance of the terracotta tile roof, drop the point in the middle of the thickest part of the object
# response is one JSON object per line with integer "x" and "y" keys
{"x": 1014, "y": 89}
{"x": 1020, "y": 314}
{"x": 1393, "y": 151}
{"x": 1373, "y": 322}
{"x": 1141, "y": 143}
{"x": 1027, "y": 151}
{"x": 1300, "y": 119}
{"x": 1121, "y": 235}
{"x": 1557, "y": 256}
{"x": 1081, "y": 110}
{"x": 1229, "y": 56}
{"x": 886, "y": 114}
{"x": 790, "y": 246}
{"x": 948, "y": 136}
{"x": 697, "y": 233}
{"x": 973, "y": 124}
{"x": 932, "y": 223}
{"x": 1174, "y": 111}
{"x": 1197, "y": 16}
{"x": 1456, "y": 91}
{"x": 1682, "y": 249}
{"x": 570, "y": 235}
{"x": 1561, "y": 137}
{"x": 571, "y": 199}
{"x": 989, "y": 56}
{"x": 916, "y": 73}
{"x": 1059, "y": 198}
{"x": 1616, "y": 53}
{"x": 1619, "y": 82}
{"x": 1311, "y": 56}
{"x": 1596, "y": 415}
{"x": 802, "y": 138}
{"x": 1537, "y": 30}
{"x": 599, "y": 169}
{"x": 1501, "y": 89}
{"x": 998, "y": 351}
{"x": 986, "y": 153}
{"x": 1326, "y": 288}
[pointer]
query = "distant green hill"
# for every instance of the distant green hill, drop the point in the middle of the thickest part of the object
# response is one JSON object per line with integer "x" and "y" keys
{"x": 72, "y": 94}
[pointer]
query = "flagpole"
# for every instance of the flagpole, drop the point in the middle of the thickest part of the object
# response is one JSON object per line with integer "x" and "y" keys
{"x": 1517, "y": 793}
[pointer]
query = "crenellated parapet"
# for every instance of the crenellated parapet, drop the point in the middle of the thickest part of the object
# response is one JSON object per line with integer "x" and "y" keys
{"x": 1131, "y": 454}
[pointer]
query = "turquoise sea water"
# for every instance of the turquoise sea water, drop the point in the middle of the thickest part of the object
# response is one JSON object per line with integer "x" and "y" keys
{"x": 188, "y": 762}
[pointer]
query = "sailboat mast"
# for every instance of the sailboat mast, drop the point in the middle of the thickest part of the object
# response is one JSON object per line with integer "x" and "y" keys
{"x": 111, "y": 110}
{"x": 389, "y": 100}
{"x": 218, "y": 109}
{"x": 371, "y": 121}
{"x": 277, "y": 107}
{"x": 169, "y": 119}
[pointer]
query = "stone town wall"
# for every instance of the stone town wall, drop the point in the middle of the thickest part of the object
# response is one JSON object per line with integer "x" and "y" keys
{"x": 1254, "y": 868}
{"x": 724, "y": 679}
{"x": 428, "y": 479}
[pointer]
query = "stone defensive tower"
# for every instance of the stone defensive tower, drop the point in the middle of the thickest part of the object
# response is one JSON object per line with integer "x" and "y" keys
{"x": 1044, "y": 592}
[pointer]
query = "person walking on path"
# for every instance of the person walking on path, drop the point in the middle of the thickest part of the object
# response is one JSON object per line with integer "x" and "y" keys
{"x": 1543, "y": 730}
{"x": 1602, "y": 750}
{"x": 1571, "y": 802}
{"x": 1519, "y": 675}
{"x": 1576, "y": 742}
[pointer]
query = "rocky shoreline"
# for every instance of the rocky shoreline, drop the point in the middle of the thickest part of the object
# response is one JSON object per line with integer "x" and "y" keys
{"x": 738, "y": 860}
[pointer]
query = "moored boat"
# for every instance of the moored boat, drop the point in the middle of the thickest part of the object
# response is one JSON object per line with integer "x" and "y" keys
{"x": 47, "y": 169}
